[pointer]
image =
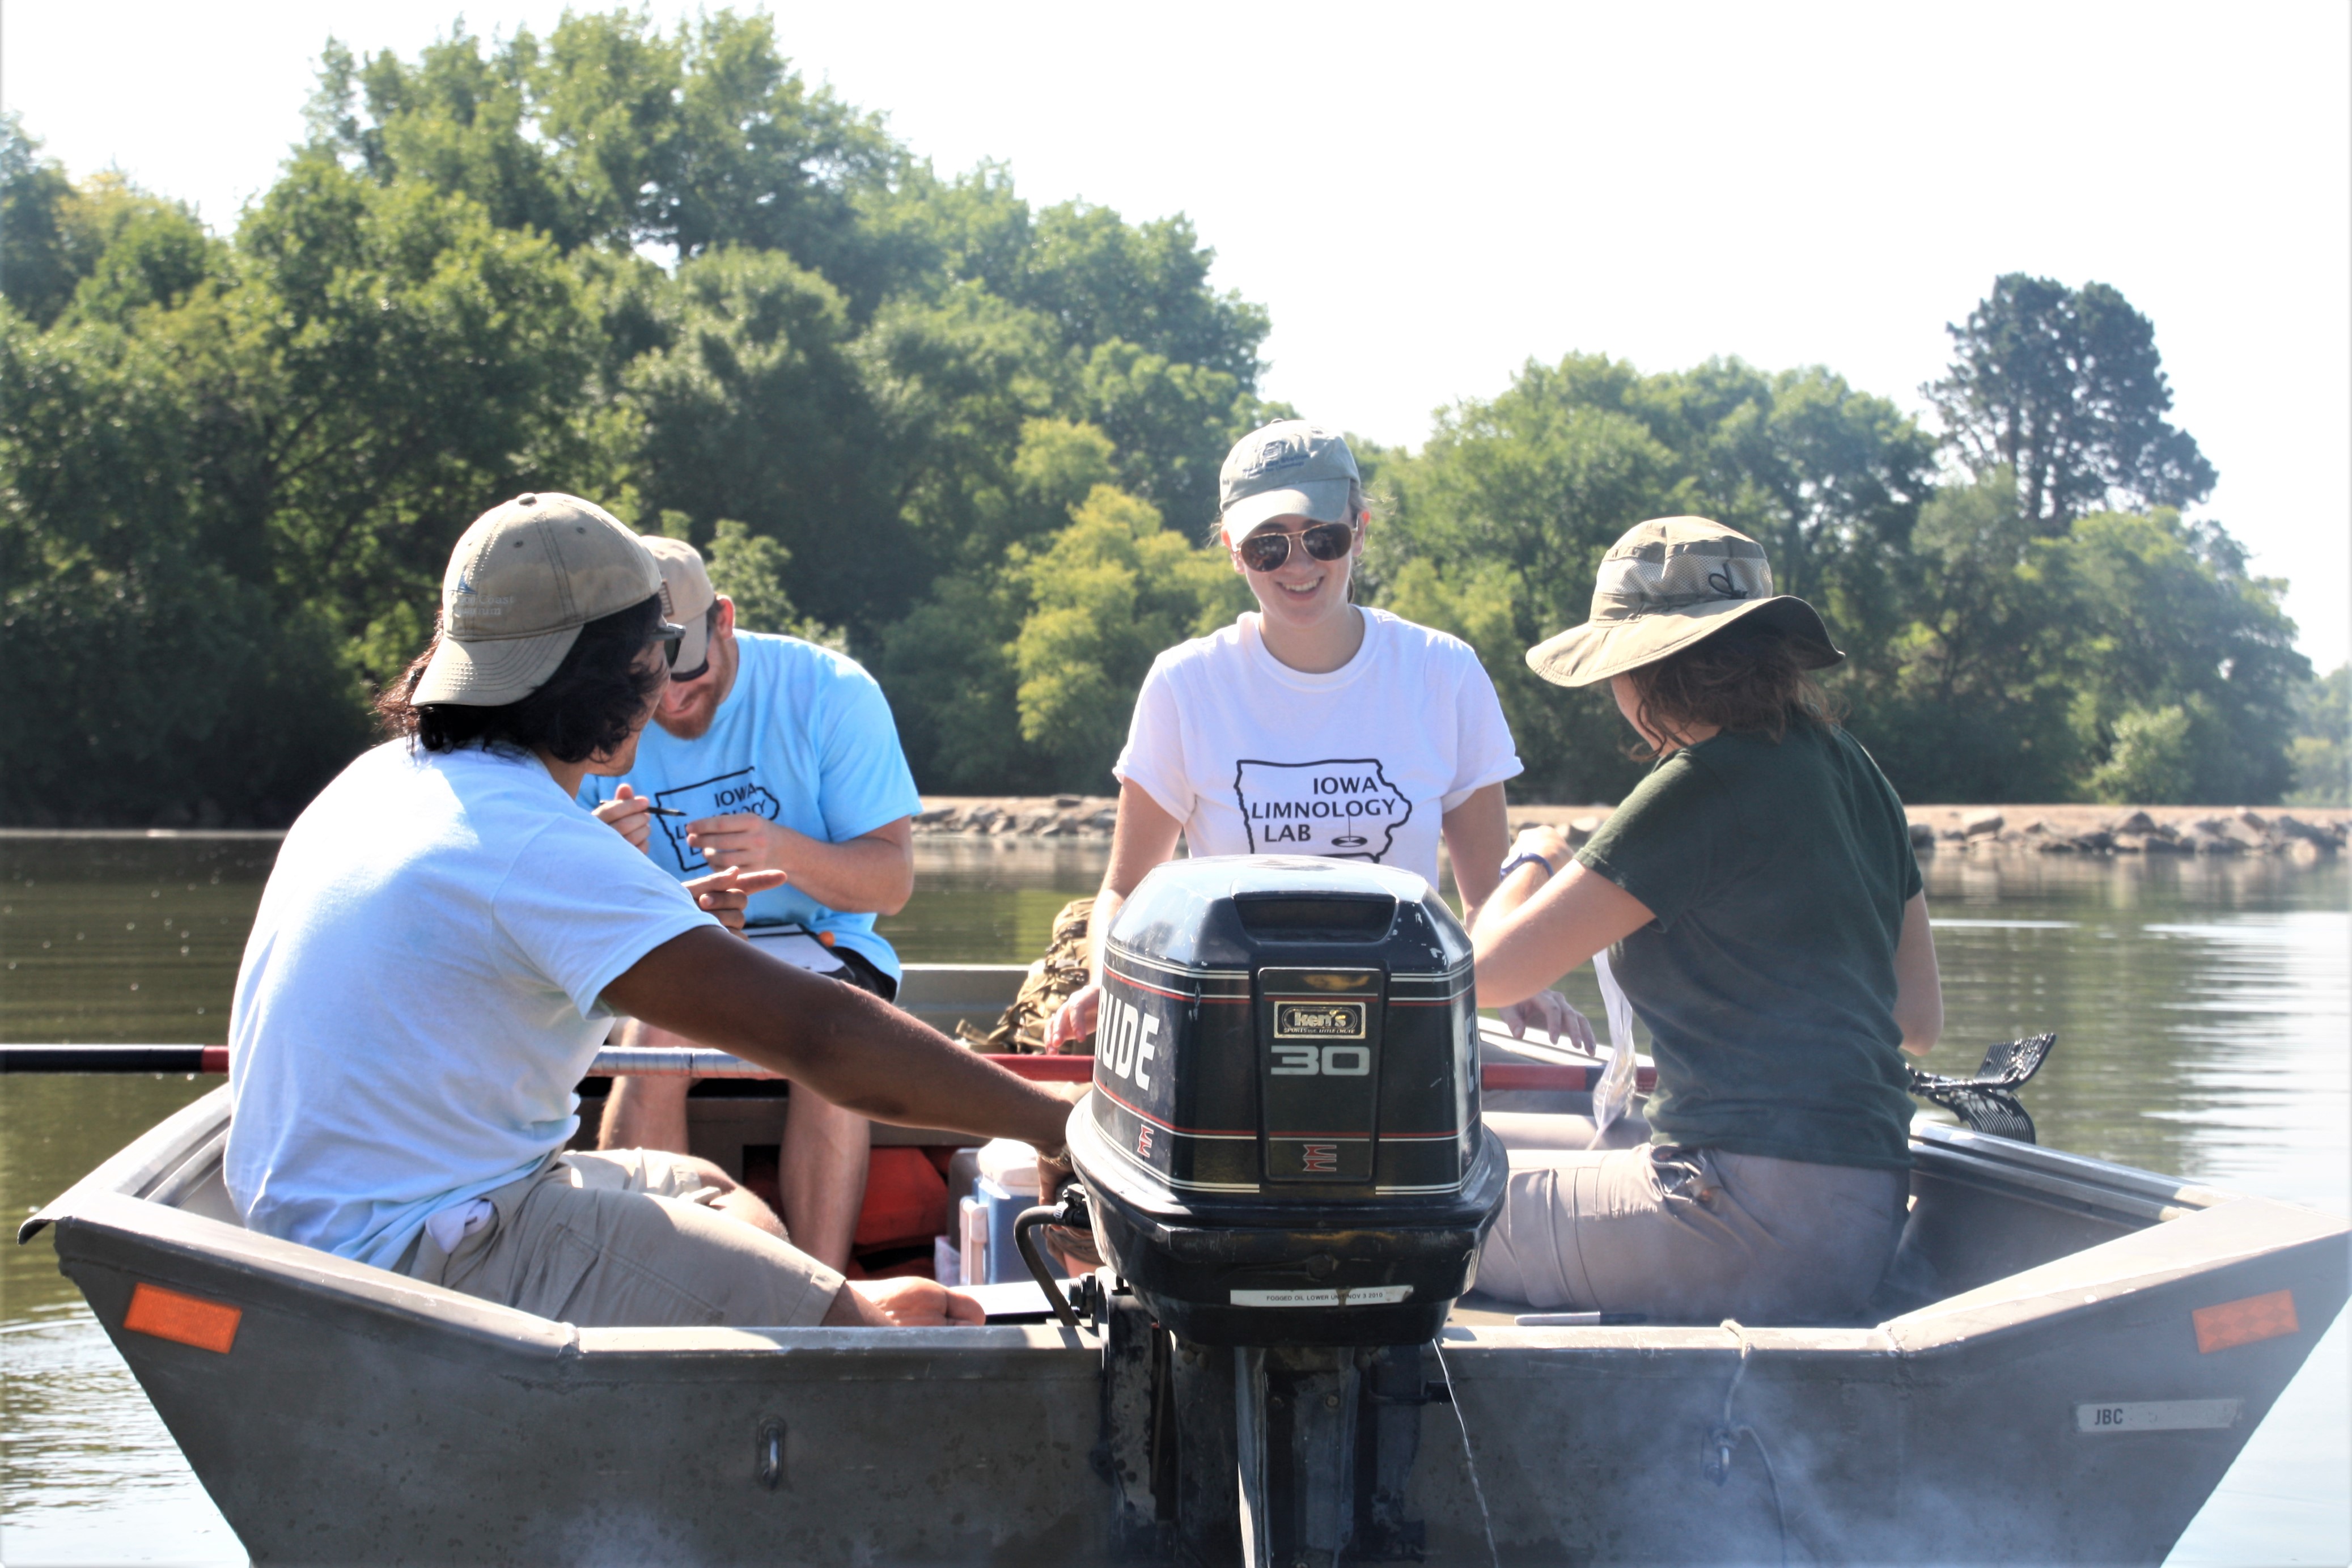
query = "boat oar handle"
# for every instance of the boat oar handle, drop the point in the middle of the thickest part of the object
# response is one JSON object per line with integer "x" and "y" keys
{"x": 619, "y": 1060}
{"x": 114, "y": 1059}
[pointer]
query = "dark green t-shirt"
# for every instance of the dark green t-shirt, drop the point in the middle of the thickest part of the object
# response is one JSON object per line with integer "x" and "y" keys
{"x": 1777, "y": 874}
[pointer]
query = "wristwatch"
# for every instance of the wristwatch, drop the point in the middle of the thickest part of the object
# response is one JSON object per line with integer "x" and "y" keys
{"x": 1516, "y": 861}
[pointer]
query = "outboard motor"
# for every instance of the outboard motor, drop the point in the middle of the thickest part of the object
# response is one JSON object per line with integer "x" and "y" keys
{"x": 1284, "y": 1161}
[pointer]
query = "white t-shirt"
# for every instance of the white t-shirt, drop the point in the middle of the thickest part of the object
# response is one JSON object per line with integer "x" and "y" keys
{"x": 1256, "y": 757}
{"x": 421, "y": 993}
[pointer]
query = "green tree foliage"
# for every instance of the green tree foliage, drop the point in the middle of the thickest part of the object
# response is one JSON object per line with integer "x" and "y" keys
{"x": 2322, "y": 751}
{"x": 1988, "y": 658}
{"x": 1106, "y": 596}
{"x": 975, "y": 443}
{"x": 1497, "y": 527}
{"x": 2064, "y": 387}
{"x": 652, "y": 266}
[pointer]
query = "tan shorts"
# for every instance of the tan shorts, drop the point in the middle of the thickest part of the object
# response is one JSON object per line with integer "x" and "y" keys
{"x": 1692, "y": 1235}
{"x": 625, "y": 1238}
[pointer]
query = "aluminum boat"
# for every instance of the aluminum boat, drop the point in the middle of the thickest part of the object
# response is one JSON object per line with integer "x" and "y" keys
{"x": 2070, "y": 1357}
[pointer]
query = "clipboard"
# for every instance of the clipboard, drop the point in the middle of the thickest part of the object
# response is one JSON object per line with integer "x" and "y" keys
{"x": 795, "y": 946}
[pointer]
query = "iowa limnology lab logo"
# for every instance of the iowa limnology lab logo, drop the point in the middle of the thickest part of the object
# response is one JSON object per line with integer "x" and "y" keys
{"x": 1342, "y": 807}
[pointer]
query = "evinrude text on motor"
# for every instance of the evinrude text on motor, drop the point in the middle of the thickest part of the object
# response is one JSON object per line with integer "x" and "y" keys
{"x": 1285, "y": 1163}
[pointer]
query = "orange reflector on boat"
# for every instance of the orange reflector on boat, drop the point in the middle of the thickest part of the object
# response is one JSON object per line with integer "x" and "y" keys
{"x": 2243, "y": 1321}
{"x": 188, "y": 1320}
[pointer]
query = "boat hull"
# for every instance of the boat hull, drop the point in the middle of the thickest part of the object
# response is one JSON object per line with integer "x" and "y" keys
{"x": 2076, "y": 1353}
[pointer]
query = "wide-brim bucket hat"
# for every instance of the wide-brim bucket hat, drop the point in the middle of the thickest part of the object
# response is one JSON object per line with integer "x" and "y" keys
{"x": 1671, "y": 583}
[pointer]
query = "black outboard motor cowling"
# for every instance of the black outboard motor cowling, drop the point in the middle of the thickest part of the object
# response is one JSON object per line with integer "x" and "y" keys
{"x": 1284, "y": 1144}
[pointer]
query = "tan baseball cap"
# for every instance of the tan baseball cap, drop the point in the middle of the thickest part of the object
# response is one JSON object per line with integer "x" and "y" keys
{"x": 1668, "y": 584}
{"x": 687, "y": 598}
{"x": 1287, "y": 468}
{"x": 522, "y": 582}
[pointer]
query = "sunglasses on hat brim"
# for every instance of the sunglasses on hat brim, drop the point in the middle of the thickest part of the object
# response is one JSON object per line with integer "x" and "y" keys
{"x": 1268, "y": 550}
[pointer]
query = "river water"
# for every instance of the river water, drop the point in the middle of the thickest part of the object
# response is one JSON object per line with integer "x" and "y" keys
{"x": 2203, "y": 1010}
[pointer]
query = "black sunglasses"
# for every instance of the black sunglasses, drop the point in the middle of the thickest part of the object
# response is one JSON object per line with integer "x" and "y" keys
{"x": 1267, "y": 550}
{"x": 668, "y": 635}
{"x": 710, "y": 634}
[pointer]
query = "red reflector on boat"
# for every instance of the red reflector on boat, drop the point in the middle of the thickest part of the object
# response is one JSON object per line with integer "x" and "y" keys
{"x": 2243, "y": 1321}
{"x": 188, "y": 1320}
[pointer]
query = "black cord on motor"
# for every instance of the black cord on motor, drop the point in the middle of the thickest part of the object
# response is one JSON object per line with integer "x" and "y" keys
{"x": 1070, "y": 1212}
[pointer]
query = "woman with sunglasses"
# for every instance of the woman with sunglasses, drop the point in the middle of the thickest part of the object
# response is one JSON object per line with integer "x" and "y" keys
{"x": 1314, "y": 726}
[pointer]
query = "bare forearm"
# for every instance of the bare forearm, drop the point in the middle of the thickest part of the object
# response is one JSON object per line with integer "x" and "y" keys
{"x": 1477, "y": 833}
{"x": 1144, "y": 836}
{"x": 1527, "y": 937}
{"x": 863, "y": 875}
{"x": 1107, "y": 903}
{"x": 851, "y": 1048}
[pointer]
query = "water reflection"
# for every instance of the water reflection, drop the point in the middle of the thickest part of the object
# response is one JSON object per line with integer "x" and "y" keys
{"x": 2201, "y": 1006}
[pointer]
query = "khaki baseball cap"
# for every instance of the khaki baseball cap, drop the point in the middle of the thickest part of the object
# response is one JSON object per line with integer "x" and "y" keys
{"x": 1668, "y": 584}
{"x": 522, "y": 582}
{"x": 687, "y": 598}
{"x": 1287, "y": 468}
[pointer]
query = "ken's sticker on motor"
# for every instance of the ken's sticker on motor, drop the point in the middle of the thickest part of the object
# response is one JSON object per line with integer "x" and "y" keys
{"x": 1318, "y": 1020}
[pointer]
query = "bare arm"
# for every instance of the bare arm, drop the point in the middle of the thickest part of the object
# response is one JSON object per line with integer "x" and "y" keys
{"x": 1476, "y": 833}
{"x": 1535, "y": 929}
{"x": 851, "y": 1048}
{"x": 1918, "y": 986}
{"x": 871, "y": 874}
{"x": 1145, "y": 836}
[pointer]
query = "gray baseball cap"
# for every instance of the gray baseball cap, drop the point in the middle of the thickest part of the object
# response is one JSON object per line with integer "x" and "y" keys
{"x": 522, "y": 582}
{"x": 1287, "y": 468}
{"x": 687, "y": 598}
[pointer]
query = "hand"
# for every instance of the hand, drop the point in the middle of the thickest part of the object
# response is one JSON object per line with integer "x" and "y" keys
{"x": 743, "y": 840}
{"x": 901, "y": 1304}
{"x": 1550, "y": 1012}
{"x": 626, "y": 815}
{"x": 1074, "y": 1020}
{"x": 1073, "y": 1246}
{"x": 726, "y": 893}
{"x": 1543, "y": 840}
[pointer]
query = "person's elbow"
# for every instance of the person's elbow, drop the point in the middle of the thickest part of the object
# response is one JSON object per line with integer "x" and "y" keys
{"x": 1497, "y": 986}
{"x": 1922, "y": 1022}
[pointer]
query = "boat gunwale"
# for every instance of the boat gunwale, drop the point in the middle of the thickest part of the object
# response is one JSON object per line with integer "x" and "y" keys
{"x": 109, "y": 1200}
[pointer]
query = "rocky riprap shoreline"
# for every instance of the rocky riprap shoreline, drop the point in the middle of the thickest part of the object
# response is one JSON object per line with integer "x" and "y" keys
{"x": 2306, "y": 834}
{"x": 2129, "y": 831}
{"x": 1024, "y": 816}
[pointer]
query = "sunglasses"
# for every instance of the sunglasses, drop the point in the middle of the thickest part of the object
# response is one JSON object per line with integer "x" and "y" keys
{"x": 710, "y": 633}
{"x": 1267, "y": 551}
{"x": 668, "y": 635}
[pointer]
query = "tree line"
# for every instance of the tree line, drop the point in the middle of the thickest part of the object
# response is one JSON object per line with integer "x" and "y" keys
{"x": 975, "y": 443}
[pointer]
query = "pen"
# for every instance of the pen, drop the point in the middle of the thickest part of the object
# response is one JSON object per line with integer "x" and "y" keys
{"x": 663, "y": 811}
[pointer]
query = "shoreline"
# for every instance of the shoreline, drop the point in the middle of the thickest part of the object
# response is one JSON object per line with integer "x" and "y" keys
{"x": 2070, "y": 827}
{"x": 2057, "y": 828}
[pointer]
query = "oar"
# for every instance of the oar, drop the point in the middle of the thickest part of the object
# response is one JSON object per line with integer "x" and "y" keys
{"x": 638, "y": 1063}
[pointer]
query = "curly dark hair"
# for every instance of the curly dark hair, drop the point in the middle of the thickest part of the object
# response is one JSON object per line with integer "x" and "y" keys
{"x": 598, "y": 697}
{"x": 1745, "y": 678}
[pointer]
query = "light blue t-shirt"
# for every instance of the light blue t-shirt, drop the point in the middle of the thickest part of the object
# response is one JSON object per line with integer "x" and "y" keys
{"x": 422, "y": 989}
{"x": 804, "y": 738}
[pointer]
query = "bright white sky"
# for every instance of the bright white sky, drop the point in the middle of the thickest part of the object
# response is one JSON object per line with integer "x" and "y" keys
{"x": 1425, "y": 196}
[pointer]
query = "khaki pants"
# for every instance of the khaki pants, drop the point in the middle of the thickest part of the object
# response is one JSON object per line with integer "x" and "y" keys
{"x": 1692, "y": 1235}
{"x": 622, "y": 1239}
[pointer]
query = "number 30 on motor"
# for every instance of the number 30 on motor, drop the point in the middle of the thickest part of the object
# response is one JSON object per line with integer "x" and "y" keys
{"x": 1322, "y": 1061}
